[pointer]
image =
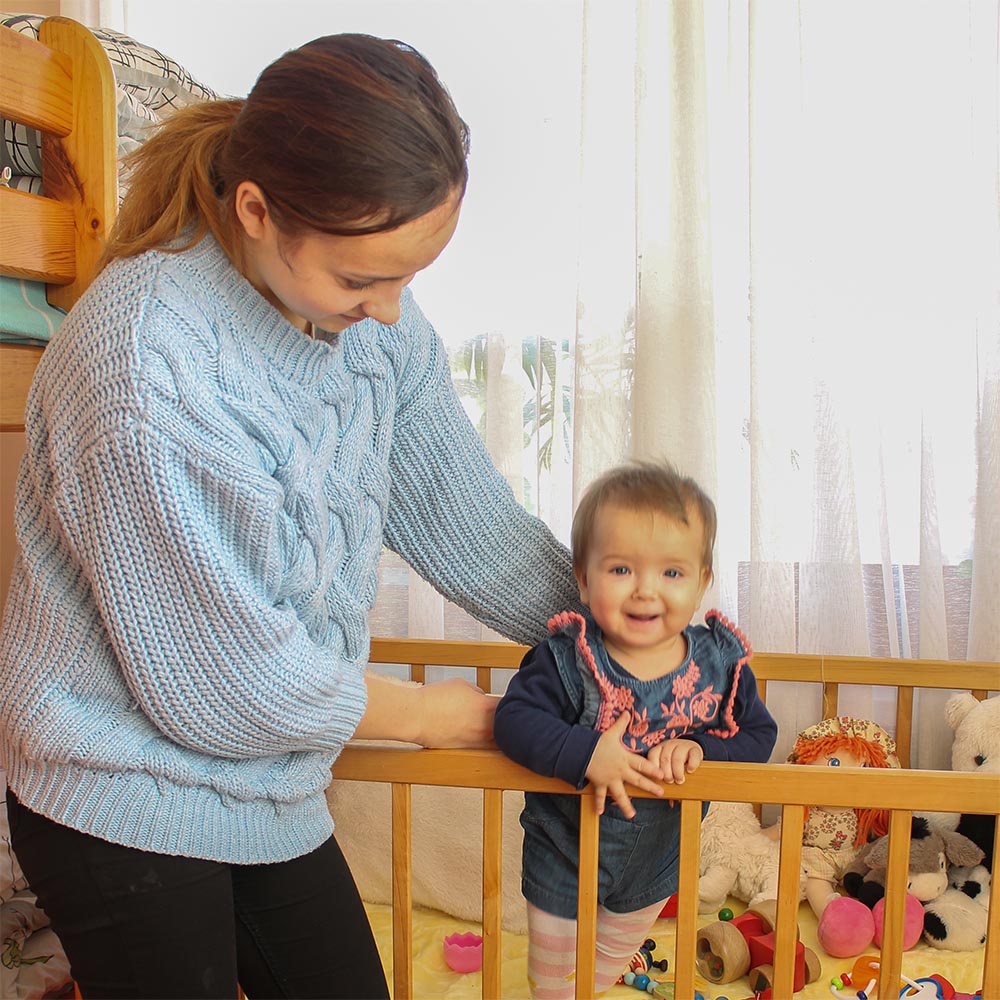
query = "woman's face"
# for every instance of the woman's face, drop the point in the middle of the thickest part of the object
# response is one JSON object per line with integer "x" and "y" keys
{"x": 334, "y": 281}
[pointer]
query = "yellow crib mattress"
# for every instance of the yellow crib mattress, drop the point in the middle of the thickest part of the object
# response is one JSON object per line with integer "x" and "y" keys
{"x": 433, "y": 979}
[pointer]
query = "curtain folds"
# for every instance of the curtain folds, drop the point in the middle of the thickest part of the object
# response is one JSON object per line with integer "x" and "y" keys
{"x": 787, "y": 254}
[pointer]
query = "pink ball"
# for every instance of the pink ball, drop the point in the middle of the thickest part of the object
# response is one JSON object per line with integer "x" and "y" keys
{"x": 846, "y": 927}
{"x": 913, "y": 921}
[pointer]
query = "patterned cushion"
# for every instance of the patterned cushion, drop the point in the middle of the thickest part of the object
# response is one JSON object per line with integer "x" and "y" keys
{"x": 149, "y": 84}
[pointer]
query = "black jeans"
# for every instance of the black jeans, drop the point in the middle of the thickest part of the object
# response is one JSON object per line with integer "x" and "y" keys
{"x": 142, "y": 926}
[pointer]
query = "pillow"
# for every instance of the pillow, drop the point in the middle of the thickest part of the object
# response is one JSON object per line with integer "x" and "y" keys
{"x": 149, "y": 85}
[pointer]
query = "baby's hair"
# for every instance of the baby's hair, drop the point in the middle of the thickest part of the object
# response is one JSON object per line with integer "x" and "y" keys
{"x": 871, "y": 822}
{"x": 643, "y": 485}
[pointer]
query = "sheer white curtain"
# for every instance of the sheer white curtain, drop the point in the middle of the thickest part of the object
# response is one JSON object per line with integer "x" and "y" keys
{"x": 816, "y": 331}
{"x": 760, "y": 238}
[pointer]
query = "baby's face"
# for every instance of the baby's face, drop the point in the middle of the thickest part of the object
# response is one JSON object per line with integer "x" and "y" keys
{"x": 643, "y": 582}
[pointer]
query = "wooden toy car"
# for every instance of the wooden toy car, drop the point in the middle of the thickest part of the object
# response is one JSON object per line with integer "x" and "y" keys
{"x": 728, "y": 949}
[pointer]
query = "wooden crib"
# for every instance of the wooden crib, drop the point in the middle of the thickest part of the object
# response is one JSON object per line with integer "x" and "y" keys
{"x": 790, "y": 787}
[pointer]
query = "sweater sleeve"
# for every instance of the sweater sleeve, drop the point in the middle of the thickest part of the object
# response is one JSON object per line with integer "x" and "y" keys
{"x": 454, "y": 518}
{"x": 170, "y": 546}
{"x": 757, "y": 733}
{"x": 535, "y": 722}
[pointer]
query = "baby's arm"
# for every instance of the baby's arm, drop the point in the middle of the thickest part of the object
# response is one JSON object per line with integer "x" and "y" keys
{"x": 613, "y": 764}
{"x": 757, "y": 732}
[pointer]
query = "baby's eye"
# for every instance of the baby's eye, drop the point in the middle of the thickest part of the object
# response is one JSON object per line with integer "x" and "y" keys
{"x": 673, "y": 574}
{"x": 359, "y": 286}
{"x": 833, "y": 762}
{"x": 619, "y": 570}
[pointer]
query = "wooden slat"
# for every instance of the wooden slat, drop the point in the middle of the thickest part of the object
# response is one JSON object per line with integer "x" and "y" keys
{"x": 447, "y": 652}
{"x": 17, "y": 366}
{"x": 867, "y": 788}
{"x": 22, "y": 253}
{"x": 484, "y": 678}
{"x": 402, "y": 903}
{"x": 786, "y": 917}
{"x": 687, "y": 900}
{"x": 991, "y": 967}
{"x": 942, "y": 674}
{"x": 831, "y": 699}
{"x": 36, "y": 84}
{"x": 81, "y": 169}
{"x": 586, "y": 906}
{"x": 904, "y": 724}
{"x": 891, "y": 957}
{"x": 492, "y": 891}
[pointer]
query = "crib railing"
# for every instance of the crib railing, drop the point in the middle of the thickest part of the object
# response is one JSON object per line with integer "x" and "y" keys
{"x": 791, "y": 788}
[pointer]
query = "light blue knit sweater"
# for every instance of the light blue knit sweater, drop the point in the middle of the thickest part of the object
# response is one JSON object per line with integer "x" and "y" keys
{"x": 200, "y": 512}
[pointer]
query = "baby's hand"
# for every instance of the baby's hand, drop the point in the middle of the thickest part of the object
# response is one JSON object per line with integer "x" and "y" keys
{"x": 676, "y": 759}
{"x": 613, "y": 764}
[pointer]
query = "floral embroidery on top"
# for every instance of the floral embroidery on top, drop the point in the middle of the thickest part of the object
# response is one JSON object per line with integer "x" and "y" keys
{"x": 694, "y": 706}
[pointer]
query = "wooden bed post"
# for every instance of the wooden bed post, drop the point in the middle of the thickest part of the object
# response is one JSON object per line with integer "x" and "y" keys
{"x": 80, "y": 169}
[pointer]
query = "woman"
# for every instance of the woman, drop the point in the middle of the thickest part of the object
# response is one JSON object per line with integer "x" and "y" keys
{"x": 242, "y": 409}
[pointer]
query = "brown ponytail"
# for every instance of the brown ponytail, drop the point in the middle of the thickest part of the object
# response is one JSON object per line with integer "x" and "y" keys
{"x": 348, "y": 134}
{"x": 171, "y": 186}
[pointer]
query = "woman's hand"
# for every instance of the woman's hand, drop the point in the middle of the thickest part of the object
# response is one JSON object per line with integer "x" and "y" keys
{"x": 448, "y": 714}
{"x": 455, "y": 713}
{"x": 613, "y": 765}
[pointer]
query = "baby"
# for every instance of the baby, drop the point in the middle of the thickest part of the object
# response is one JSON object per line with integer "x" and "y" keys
{"x": 630, "y": 693}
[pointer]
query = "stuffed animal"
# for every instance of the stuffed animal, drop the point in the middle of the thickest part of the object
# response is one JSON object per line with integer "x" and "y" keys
{"x": 953, "y": 921}
{"x": 976, "y": 748}
{"x": 737, "y": 858}
{"x": 956, "y": 920}
{"x": 932, "y": 852}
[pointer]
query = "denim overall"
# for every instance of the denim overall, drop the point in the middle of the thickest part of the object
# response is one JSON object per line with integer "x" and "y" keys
{"x": 637, "y": 863}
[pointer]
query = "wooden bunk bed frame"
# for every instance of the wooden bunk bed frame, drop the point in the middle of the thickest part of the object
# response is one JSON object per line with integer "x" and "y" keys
{"x": 791, "y": 787}
{"x": 63, "y": 85}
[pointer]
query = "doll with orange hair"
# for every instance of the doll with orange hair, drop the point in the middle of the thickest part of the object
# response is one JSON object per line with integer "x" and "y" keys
{"x": 833, "y": 837}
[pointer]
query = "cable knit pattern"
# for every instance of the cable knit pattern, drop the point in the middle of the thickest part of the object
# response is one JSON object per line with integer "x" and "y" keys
{"x": 200, "y": 513}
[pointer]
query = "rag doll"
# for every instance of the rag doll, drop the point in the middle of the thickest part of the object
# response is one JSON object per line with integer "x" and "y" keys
{"x": 833, "y": 837}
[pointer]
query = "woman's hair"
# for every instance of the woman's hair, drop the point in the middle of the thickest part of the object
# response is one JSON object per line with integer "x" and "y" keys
{"x": 348, "y": 134}
{"x": 653, "y": 486}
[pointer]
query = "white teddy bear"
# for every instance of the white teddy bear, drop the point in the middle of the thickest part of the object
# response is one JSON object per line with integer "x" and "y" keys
{"x": 956, "y": 921}
{"x": 737, "y": 858}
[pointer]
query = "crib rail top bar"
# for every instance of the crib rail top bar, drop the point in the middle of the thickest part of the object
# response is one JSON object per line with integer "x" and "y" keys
{"x": 447, "y": 652}
{"x": 883, "y": 671}
{"x": 865, "y": 788}
{"x": 810, "y": 668}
